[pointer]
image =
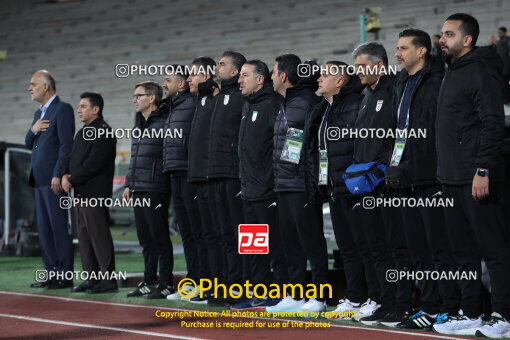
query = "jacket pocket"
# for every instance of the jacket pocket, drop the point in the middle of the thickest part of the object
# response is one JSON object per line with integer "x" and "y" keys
{"x": 153, "y": 172}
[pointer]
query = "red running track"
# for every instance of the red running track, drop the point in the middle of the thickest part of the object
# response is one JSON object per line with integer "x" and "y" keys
{"x": 36, "y": 316}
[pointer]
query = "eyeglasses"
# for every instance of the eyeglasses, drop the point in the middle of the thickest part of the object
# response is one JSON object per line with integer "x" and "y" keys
{"x": 137, "y": 96}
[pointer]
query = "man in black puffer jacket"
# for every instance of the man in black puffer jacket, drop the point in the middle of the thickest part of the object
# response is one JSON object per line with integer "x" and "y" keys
{"x": 382, "y": 227}
{"x": 469, "y": 134}
{"x": 256, "y": 174}
{"x": 223, "y": 164}
{"x": 201, "y": 83}
{"x": 175, "y": 164}
{"x": 339, "y": 109}
{"x": 145, "y": 180}
{"x": 414, "y": 177}
{"x": 301, "y": 221}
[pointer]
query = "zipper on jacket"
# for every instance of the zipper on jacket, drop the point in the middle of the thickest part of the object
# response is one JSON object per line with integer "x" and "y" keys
{"x": 211, "y": 120}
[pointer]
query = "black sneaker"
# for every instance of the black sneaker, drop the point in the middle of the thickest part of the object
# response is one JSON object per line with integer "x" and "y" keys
{"x": 161, "y": 291}
{"x": 374, "y": 319}
{"x": 393, "y": 319}
{"x": 218, "y": 302}
{"x": 420, "y": 320}
{"x": 201, "y": 300}
{"x": 142, "y": 289}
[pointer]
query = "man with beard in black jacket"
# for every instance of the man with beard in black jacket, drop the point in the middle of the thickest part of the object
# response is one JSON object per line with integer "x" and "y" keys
{"x": 223, "y": 166}
{"x": 382, "y": 227}
{"x": 90, "y": 172}
{"x": 301, "y": 220}
{"x": 202, "y": 85}
{"x": 175, "y": 164}
{"x": 414, "y": 176}
{"x": 145, "y": 180}
{"x": 339, "y": 109}
{"x": 469, "y": 132}
{"x": 256, "y": 174}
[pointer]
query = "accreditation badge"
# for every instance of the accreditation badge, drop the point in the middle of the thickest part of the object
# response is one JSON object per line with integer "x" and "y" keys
{"x": 323, "y": 167}
{"x": 398, "y": 151}
{"x": 293, "y": 144}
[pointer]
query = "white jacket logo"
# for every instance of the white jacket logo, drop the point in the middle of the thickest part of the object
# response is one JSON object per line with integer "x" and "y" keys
{"x": 203, "y": 100}
{"x": 225, "y": 100}
{"x": 254, "y": 116}
{"x": 379, "y": 105}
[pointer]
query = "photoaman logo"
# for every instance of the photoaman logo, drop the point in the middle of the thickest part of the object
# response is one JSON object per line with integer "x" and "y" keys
{"x": 253, "y": 238}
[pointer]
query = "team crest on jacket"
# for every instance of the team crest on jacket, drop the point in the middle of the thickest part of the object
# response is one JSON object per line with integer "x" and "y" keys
{"x": 254, "y": 116}
{"x": 203, "y": 100}
{"x": 379, "y": 105}
{"x": 225, "y": 100}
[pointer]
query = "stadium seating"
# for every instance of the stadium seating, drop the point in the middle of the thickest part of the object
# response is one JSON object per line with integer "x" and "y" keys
{"x": 81, "y": 42}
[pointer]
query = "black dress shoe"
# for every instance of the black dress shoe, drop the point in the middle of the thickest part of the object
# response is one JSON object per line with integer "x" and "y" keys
{"x": 60, "y": 284}
{"x": 104, "y": 287}
{"x": 39, "y": 284}
{"x": 84, "y": 286}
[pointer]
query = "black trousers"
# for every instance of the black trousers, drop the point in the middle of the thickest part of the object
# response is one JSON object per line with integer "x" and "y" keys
{"x": 477, "y": 231}
{"x": 229, "y": 209}
{"x": 188, "y": 218}
{"x": 303, "y": 236}
{"x": 385, "y": 237}
{"x": 95, "y": 239}
{"x": 154, "y": 237}
{"x": 398, "y": 245}
{"x": 355, "y": 251}
{"x": 266, "y": 212}
{"x": 208, "y": 225}
{"x": 429, "y": 247}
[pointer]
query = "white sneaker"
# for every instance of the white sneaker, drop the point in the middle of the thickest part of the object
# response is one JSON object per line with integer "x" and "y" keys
{"x": 185, "y": 290}
{"x": 367, "y": 309}
{"x": 345, "y": 310}
{"x": 313, "y": 305}
{"x": 497, "y": 327}
{"x": 459, "y": 325}
{"x": 286, "y": 305}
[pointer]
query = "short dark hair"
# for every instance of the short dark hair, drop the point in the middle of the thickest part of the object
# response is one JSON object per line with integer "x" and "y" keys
{"x": 420, "y": 39}
{"x": 207, "y": 63}
{"x": 469, "y": 25}
{"x": 237, "y": 59}
{"x": 153, "y": 89}
{"x": 375, "y": 51}
{"x": 288, "y": 63}
{"x": 437, "y": 36}
{"x": 502, "y": 28}
{"x": 342, "y": 66}
{"x": 180, "y": 71}
{"x": 95, "y": 99}
{"x": 260, "y": 69}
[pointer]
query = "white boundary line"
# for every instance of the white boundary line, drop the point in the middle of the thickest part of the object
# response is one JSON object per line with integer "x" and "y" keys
{"x": 63, "y": 298}
{"x": 84, "y": 325}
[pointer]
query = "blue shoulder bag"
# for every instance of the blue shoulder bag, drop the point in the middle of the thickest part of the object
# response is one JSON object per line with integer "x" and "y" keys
{"x": 364, "y": 178}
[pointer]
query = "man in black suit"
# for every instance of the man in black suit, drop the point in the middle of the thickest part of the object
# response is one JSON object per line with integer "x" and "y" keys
{"x": 50, "y": 138}
{"x": 90, "y": 173}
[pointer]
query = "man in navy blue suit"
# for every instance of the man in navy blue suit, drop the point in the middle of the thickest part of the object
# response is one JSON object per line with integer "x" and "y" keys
{"x": 50, "y": 138}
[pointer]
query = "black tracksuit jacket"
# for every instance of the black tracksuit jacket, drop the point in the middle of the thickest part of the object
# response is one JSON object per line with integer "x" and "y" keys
{"x": 470, "y": 118}
{"x": 256, "y": 144}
